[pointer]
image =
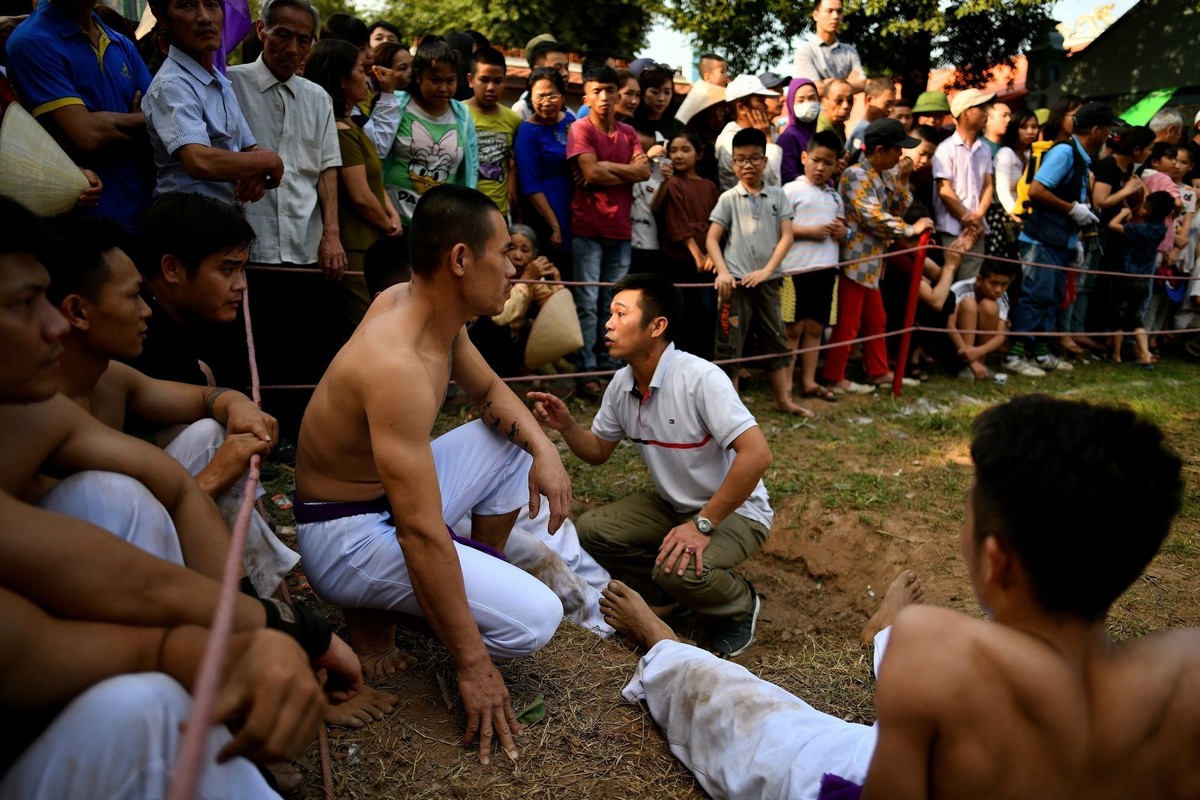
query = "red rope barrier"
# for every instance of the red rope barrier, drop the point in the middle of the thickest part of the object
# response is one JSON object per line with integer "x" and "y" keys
{"x": 188, "y": 764}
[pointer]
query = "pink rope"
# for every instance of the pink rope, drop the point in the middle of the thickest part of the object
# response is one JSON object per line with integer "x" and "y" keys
{"x": 208, "y": 679}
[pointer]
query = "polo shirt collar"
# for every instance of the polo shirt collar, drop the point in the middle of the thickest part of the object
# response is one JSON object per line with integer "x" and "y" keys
{"x": 193, "y": 68}
{"x": 957, "y": 139}
{"x": 813, "y": 37}
{"x": 660, "y": 372}
{"x": 63, "y": 26}
{"x": 265, "y": 79}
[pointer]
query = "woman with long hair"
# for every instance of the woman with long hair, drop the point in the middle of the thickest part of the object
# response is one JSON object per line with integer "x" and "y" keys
{"x": 365, "y": 212}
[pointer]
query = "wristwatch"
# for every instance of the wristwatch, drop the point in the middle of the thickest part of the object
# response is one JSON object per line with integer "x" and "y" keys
{"x": 703, "y": 524}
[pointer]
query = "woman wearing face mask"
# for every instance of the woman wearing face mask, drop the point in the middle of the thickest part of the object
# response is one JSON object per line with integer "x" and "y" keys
{"x": 803, "y": 107}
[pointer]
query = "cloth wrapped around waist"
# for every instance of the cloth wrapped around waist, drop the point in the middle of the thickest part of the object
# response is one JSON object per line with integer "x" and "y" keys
{"x": 834, "y": 787}
{"x": 308, "y": 512}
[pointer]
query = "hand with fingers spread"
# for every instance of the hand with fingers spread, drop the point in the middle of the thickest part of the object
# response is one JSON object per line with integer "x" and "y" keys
{"x": 682, "y": 544}
{"x": 490, "y": 716}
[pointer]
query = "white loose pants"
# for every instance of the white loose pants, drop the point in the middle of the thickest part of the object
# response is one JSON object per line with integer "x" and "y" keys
{"x": 118, "y": 741}
{"x": 356, "y": 562}
{"x": 267, "y": 560}
{"x": 741, "y": 736}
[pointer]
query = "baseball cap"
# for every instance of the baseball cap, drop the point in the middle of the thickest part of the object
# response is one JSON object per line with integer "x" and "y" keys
{"x": 546, "y": 41}
{"x": 772, "y": 81}
{"x": 968, "y": 98}
{"x": 746, "y": 85}
{"x": 932, "y": 103}
{"x": 1090, "y": 115}
{"x": 888, "y": 132}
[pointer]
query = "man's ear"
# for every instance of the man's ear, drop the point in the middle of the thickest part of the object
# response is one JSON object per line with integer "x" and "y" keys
{"x": 173, "y": 270}
{"x": 658, "y": 327}
{"x": 459, "y": 254}
{"x": 260, "y": 29}
{"x": 999, "y": 568}
{"x": 74, "y": 308}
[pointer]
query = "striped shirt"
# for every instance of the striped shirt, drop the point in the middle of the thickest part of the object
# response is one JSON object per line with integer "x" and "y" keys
{"x": 682, "y": 428}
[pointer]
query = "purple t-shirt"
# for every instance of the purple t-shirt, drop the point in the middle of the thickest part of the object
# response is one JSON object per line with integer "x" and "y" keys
{"x": 601, "y": 211}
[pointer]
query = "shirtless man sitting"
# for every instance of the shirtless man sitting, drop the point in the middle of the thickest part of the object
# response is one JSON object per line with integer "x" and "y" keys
{"x": 1039, "y": 702}
{"x": 374, "y": 495}
{"x": 96, "y": 286}
{"x": 79, "y": 606}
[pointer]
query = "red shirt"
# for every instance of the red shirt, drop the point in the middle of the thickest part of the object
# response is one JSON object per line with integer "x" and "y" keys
{"x": 601, "y": 211}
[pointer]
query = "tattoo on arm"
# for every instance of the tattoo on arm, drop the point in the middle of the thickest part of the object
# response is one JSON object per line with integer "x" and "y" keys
{"x": 495, "y": 423}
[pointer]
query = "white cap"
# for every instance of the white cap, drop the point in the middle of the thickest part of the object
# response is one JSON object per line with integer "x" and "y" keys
{"x": 746, "y": 85}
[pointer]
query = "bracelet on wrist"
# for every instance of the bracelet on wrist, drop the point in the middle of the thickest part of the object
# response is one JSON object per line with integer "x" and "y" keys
{"x": 210, "y": 399}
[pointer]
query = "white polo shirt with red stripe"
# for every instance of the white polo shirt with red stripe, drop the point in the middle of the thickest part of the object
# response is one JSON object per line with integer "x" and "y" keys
{"x": 683, "y": 428}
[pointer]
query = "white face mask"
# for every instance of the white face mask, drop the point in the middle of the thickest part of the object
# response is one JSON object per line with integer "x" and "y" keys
{"x": 806, "y": 111}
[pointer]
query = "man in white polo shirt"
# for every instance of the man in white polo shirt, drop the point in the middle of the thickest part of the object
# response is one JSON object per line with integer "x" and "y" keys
{"x": 962, "y": 169}
{"x": 706, "y": 456}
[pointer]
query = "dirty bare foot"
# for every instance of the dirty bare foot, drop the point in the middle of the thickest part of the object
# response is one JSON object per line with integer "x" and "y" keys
{"x": 627, "y": 612}
{"x": 362, "y": 709}
{"x": 789, "y": 406}
{"x": 373, "y": 638}
{"x": 905, "y": 590}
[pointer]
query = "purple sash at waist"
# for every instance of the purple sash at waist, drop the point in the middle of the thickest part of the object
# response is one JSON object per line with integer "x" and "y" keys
{"x": 834, "y": 787}
{"x": 310, "y": 512}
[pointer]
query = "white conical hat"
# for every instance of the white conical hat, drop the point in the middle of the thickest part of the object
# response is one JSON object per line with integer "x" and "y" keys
{"x": 34, "y": 170}
{"x": 554, "y": 333}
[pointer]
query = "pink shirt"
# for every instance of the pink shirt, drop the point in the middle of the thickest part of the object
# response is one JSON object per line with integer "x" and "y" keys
{"x": 601, "y": 211}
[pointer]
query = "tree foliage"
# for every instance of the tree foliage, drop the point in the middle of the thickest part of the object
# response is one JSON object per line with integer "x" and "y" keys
{"x": 904, "y": 38}
{"x": 615, "y": 26}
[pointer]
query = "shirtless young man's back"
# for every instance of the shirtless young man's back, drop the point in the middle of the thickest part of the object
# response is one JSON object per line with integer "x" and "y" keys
{"x": 375, "y": 495}
{"x": 1036, "y": 703}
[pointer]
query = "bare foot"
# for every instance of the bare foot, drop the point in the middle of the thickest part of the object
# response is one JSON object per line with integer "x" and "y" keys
{"x": 288, "y": 777}
{"x": 905, "y": 590}
{"x": 373, "y": 638}
{"x": 625, "y": 610}
{"x": 787, "y": 406}
{"x": 662, "y": 612}
{"x": 362, "y": 709}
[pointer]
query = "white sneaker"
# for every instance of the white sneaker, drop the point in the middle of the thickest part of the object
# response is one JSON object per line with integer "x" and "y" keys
{"x": 1050, "y": 363}
{"x": 852, "y": 388}
{"x": 1020, "y": 366}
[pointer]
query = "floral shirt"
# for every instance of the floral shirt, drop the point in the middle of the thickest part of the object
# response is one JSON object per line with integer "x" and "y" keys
{"x": 875, "y": 207}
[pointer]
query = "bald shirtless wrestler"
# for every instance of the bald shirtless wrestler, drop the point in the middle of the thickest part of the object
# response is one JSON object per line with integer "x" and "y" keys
{"x": 1038, "y": 702}
{"x": 374, "y": 495}
{"x": 81, "y": 609}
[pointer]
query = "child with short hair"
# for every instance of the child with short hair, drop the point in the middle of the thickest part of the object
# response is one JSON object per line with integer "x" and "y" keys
{"x": 980, "y": 317}
{"x": 818, "y": 225}
{"x": 1142, "y": 240}
{"x": 495, "y": 128}
{"x": 758, "y": 220}
{"x": 875, "y": 199}
{"x": 879, "y": 97}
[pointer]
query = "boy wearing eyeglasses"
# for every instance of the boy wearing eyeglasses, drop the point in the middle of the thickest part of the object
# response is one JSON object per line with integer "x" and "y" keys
{"x": 758, "y": 220}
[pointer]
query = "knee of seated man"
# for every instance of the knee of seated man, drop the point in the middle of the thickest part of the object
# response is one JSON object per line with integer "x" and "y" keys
{"x": 988, "y": 307}
{"x": 675, "y": 584}
{"x": 121, "y": 505}
{"x": 532, "y": 626}
{"x": 142, "y": 704}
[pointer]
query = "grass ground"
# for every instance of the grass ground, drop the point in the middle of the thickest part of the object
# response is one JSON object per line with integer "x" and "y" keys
{"x": 873, "y": 485}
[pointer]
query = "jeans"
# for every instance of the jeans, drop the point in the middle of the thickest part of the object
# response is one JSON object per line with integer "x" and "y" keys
{"x": 1041, "y": 288}
{"x": 604, "y": 260}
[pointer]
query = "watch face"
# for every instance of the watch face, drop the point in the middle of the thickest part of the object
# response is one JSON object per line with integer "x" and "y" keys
{"x": 703, "y": 524}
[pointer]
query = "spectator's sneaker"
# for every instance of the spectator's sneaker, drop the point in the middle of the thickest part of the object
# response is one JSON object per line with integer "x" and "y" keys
{"x": 1052, "y": 363}
{"x": 1020, "y": 366}
{"x": 737, "y": 638}
{"x": 850, "y": 387}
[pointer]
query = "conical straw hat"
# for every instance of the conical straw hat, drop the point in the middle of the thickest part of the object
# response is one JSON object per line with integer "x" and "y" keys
{"x": 34, "y": 170}
{"x": 554, "y": 333}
